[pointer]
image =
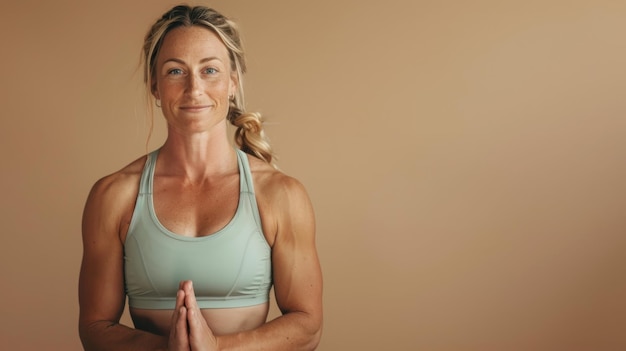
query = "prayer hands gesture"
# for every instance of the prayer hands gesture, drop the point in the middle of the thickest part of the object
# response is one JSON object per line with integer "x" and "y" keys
{"x": 190, "y": 330}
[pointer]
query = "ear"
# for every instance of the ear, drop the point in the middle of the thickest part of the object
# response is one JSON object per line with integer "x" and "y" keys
{"x": 154, "y": 90}
{"x": 234, "y": 83}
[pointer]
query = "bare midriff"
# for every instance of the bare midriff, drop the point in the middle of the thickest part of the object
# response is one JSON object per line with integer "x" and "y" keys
{"x": 221, "y": 320}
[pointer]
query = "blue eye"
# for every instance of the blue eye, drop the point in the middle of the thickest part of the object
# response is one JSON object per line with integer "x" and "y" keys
{"x": 175, "y": 71}
{"x": 210, "y": 71}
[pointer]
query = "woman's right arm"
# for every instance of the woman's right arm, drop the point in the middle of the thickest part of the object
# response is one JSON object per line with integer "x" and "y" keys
{"x": 101, "y": 281}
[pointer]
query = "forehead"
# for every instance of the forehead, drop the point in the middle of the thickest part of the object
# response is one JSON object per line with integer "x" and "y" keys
{"x": 192, "y": 42}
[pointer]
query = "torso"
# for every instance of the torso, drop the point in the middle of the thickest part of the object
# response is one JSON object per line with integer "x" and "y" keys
{"x": 186, "y": 210}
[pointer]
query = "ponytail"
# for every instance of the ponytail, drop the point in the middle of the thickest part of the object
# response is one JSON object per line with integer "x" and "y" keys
{"x": 249, "y": 135}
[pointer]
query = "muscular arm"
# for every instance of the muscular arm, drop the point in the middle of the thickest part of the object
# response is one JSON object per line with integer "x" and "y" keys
{"x": 297, "y": 277}
{"x": 101, "y": 281}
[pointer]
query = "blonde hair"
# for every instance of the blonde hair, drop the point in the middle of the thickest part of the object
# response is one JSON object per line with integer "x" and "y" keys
{"x": 249, "y": 135}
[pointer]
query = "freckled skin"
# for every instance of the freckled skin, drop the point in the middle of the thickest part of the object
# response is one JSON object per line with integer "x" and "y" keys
{"x": 193, "y": 81}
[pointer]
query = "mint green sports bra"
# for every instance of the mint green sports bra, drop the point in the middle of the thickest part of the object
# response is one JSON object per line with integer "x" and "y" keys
{"x": 230, "y": 268}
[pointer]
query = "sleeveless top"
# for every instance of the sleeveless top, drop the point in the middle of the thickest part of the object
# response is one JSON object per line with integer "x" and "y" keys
{"x": 229, "y": 268}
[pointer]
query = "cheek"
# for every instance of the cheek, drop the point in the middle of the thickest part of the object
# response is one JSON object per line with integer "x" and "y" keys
{"x": 219, "y": 89}
{"x": 218, "y": 84}
{"x": 169, "y": 89}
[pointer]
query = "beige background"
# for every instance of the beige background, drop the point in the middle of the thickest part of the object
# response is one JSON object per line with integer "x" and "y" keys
{"x": 466, "y": 159}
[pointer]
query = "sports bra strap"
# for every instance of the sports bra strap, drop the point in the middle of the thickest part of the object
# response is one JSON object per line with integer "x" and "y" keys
{"x": 145, "y": 184}
{"x": 247, "y": 185}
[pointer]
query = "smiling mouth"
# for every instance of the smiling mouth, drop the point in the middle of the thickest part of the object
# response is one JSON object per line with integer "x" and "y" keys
{"x": 194, "y": 108}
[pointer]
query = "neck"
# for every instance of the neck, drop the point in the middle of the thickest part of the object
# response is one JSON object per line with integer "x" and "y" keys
{"x": 198, "y": 156}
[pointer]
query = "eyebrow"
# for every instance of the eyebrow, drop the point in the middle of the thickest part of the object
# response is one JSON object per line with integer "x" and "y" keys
{"x": 206, "y": 59}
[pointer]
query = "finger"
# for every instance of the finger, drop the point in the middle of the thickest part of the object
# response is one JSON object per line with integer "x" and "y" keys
{"x": 182, "y": 329}
{"x": 200, "y": 334}
{"x": 176, "y": 313}
{"x": 194, "y": 316}
{"x": 195, "y": 328}
{"x": 179, "y": 338}
{"x": 180, "y": 300}
{"x": 193, "y": 310}
{"x": 190, "y": 296}
{"x": 179, "y": 329}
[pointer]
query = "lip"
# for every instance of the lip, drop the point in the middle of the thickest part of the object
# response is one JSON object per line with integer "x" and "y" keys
{"x": 194, "y": 108}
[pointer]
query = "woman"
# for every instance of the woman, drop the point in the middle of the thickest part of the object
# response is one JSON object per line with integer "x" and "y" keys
{"x": 196, "y": 232}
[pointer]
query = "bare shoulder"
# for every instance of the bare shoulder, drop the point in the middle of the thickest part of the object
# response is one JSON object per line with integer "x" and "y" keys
{"x": 284, "y": 203}
{"x": 119, "y": 182}
{"x": 274, "y": 185}
{"x": 112, "y": 196}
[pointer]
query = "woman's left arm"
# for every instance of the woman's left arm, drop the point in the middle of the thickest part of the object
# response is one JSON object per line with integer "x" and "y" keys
{"x": 296, "y": 270}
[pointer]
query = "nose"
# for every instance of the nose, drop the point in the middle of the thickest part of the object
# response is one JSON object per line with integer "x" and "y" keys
{"x": 194, "y": 85}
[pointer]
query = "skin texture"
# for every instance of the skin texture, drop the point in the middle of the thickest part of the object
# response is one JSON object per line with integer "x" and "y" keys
{"x": 196, "y": 194}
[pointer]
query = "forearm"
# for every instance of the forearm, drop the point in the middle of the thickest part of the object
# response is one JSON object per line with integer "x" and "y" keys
{"x": 105, "y": 336}
{"x": 291, "y": 331}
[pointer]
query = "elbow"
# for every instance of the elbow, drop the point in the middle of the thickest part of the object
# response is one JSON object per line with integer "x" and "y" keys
{"x": 315, "y": 339}
{"x": 305, "y": 330}
{"x": 315, "y": 335}
{"x": 90, "y": 332}
{"x": 83, "y": 334}
{"x": 86, "y": 337}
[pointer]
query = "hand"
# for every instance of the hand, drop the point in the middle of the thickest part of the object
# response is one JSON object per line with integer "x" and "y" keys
{"x": 179, "y": 332}
{"x": 200, "y": 336}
